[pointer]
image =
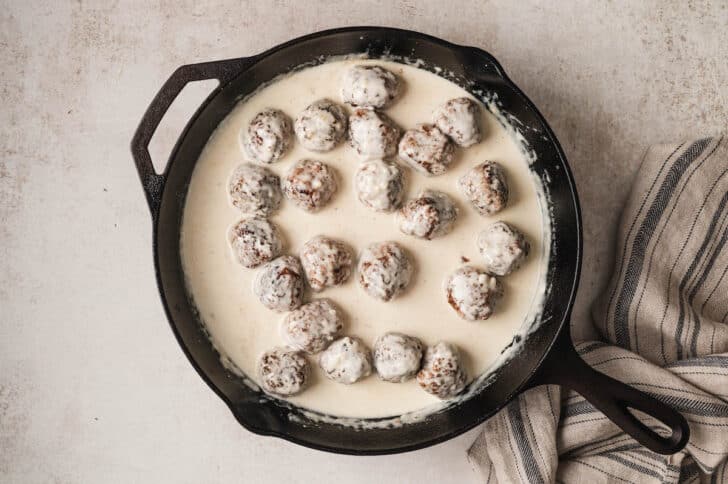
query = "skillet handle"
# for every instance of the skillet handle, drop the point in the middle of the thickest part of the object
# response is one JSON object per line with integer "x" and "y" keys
{"x": 224, "y": 71}
{"x": 565, "y": 367}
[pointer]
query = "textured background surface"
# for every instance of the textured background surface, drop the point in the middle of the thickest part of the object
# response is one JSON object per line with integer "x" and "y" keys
{"x": 93, "y": 387}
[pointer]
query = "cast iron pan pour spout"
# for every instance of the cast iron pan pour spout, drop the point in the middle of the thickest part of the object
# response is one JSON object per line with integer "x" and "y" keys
{"x": 561, "y": 364}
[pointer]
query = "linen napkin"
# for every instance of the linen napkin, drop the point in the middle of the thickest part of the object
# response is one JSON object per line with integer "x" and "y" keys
{"x": 664, "y": 322}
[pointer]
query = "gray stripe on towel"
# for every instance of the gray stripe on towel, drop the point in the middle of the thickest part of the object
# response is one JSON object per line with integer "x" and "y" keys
{"x": 644, "y": 235}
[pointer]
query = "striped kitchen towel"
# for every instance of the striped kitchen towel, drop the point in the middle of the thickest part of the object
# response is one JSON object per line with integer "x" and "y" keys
{"x": 664, "y": 322}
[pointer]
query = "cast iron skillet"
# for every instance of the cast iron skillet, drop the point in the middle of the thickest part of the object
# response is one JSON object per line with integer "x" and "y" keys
{"x": 548, "y": 356}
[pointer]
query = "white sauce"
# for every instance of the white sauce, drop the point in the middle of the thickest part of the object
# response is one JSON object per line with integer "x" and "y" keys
{"x": 241, "y": 328}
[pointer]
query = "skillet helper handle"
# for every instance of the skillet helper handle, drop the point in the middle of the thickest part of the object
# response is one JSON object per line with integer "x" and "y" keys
{"x": 613, "y": 398}
{"x": 153, "y": 182}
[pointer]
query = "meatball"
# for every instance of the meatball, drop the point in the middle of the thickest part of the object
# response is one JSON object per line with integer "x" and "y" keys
{"x": 485, "y": 187}
{"x": 473, "y": 293}
{"x": 255, "y": 241}
{"x": 326, "y": 262}
{"x": 282, "y": 371}
{"x": 442, "y": 372}
{"x": 459, "y": 119}
{"x": 370, "y": 86}
{"x": 321, "y": 126}
{"x": 347, "y": 360}
{"x": 503, "y": 248}
{"x": 279, "y": 284}
{"x": 385, "y": 270}
{"x": 379, "y": 185}
{"x": 427, "y": 149}
{"x": 312, "y": 327}
{"x": 269, "y": 136}
{"x": 373, "y": 135}
{"x": 428, "y": 216}
{"x": 397, "y": 357}
{"x": 254, "y": 189}
{"x": 310, "y": 184}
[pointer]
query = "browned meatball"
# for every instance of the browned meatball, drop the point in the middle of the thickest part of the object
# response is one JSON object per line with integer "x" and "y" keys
{"x": 321, "y": 126}
{"x": 312, "y": 327}
{"x": 268, "y": 136}
{"x": 255, "y": 241}
{"x": 485, "y": 187}
{"x": 310, "y": 184}
{"x": 370, "y": 86}
{"x": 459, "y": 118}
{"x": 283, "y": 372}
{"x": 503, "y": 247}
{"x": 254, "y": 189}
{"x": 442, "y": 372}
{"x": 347, "y": 360}
{"x": 279, "y": 284}
{"x": 397, "y": 357}
{"x": 473, "y": 293}
{"x": 379, "y": 185}
{"x": 326, "y": 262}
{"x": 427, "y": 150}
{"x": 385, "y": 270}
{"x": 428, "y": 216}
{"x": 373, "y": 135}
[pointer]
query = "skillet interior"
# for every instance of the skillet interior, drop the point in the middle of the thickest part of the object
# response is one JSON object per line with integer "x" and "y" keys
{"x": 474, "y": 70}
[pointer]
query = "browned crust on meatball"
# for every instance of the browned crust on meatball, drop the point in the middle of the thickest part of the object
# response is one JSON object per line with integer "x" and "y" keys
{"x": 427, "y": 208}
{"x": 486, "y": 296}
{"x": 391, "y": 87}
{"x": 326, "y": 262}
{"x": 262, "y": 122}
{"x": 298, "y": 185}
{"x": 313, "y": 326}
{"x": 445, "y": 119}
{"x": 283, "y": 372}
{"x": 486, "y": 187}
{"x": 517, "y": 248}
{"x": 389, "y": 132}
{"x": 279, "y": 284}
{"x": 389, "y": 256}
{"x": 397, "y": 357}
{"x": 254, "y": 189}
{"x": 432, "y": 214}
{"x": 442, "y": 373}
{"x": 351, "y": 348}
{"x": 254, "y": 241}
{"x": 310, "y": 138}
{"x": 370, "y": 194}
{"x": 433, "y": 158}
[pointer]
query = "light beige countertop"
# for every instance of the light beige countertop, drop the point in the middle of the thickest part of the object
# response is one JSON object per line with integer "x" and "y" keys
{"x": 93, "y": 387}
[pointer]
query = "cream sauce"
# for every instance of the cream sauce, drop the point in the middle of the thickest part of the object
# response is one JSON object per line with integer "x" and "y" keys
{"x": 241, "y": 328}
